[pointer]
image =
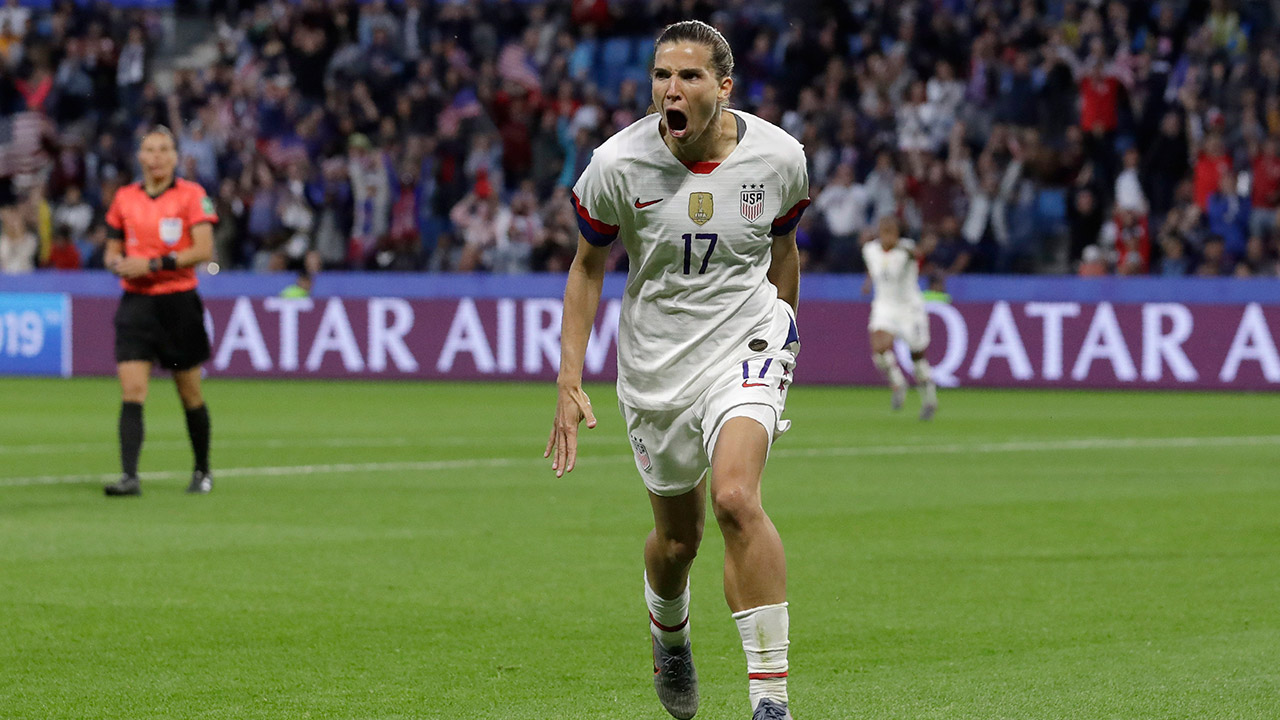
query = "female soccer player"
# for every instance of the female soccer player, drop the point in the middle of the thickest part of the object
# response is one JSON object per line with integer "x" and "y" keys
{"x": 706, "y": 348}
{"x": 161, "y": 228}
{"x": 898, "y": 312}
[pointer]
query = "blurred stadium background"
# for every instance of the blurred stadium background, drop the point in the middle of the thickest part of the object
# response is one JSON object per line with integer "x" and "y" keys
{"x": 1095, "y": 185}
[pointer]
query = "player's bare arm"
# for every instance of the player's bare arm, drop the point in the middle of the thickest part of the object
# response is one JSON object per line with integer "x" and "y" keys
{"x": 784, "y": 269}
{"x": 581, "y": 300}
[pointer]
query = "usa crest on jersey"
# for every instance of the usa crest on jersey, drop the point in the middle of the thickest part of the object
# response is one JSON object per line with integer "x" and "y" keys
{"x": 752, "y": 202}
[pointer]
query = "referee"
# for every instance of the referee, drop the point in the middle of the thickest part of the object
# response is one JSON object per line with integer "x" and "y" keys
{"x": 160, "y": 229}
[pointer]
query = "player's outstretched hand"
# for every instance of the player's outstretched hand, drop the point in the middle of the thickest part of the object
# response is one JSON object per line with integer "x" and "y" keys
{"x": 572, "y": 407}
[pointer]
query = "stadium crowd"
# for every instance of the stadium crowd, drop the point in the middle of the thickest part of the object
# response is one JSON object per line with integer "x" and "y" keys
{"x": 1095, "y": 137}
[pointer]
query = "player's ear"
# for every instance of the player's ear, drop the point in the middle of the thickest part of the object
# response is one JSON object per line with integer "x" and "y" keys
{"x": 726, "y": 89}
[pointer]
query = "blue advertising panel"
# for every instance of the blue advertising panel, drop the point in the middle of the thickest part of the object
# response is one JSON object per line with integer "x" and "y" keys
{"x": 35, "y": 334}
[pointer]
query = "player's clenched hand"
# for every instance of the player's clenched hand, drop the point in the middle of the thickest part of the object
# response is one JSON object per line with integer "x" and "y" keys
{"x": 572, "y": 407}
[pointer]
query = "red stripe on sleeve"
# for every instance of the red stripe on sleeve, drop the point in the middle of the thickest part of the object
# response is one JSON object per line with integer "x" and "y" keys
{"x": 799, "y": 208}
{"x": 601, "y": 227}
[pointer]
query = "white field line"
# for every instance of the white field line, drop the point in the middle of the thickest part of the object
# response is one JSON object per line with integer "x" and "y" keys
{"x": 867, "y": 451}
{"x": 348, "y": 442}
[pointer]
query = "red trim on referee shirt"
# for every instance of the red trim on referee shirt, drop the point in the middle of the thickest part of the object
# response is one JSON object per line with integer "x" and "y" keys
{"x": 701, "y": 167}
{"x": 765, "y": 676}
{"x": 674, "y": 628}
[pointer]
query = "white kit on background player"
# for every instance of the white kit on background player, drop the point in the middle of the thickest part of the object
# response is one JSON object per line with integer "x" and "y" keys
{"x": 898, "y": 305}
{"x": 698, "y": 301}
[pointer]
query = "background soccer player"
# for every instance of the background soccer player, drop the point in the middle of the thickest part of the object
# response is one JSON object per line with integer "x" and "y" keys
{"x": 897, "y": 311}
{"x": 161, "y": 228}
{"x": 706, "y": 202}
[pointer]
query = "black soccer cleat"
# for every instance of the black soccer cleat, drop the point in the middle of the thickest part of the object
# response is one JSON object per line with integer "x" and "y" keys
{"x": 675, "y": 680}
{"x": 201, "y": 483}
{"x": 771, "y": 710}
{"x": 126, "y": 486}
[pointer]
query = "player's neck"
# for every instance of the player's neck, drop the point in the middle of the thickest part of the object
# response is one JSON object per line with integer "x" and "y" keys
{"x": 714, "y": 145}
{"x": 155, "y": 187}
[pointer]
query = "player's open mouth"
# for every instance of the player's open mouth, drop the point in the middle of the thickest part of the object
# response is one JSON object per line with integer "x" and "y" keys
{"x": 677, "y": 122}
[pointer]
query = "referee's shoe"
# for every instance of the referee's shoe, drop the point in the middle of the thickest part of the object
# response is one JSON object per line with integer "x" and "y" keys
{"x": 201, "y": 483}
{"x": 127, "y": 485}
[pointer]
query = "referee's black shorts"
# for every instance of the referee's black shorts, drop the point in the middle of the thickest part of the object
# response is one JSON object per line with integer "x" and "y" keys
{"x": 166, "y": 329}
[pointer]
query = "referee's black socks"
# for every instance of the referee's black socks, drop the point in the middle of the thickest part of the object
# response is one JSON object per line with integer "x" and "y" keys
{"x": 198, "y": 431}
{"x": 130, "y": 437}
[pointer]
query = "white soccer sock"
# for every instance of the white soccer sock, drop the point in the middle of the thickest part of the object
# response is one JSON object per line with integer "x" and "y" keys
{"x": 668, "y": 619}
{"x": 888, "y": 366}
{"x": 924, "y": 373}
{"x": 764, "y": 640}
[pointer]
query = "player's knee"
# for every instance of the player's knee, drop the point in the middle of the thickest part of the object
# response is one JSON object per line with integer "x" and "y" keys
{"x": 191, "y": 399}
{"x": 680, "y": 550}
{"x": 735, "y": 506}
{"x": 133, "y": 392}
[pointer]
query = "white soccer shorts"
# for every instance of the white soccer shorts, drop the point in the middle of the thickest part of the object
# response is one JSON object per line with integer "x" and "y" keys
{"x": 673, "y": 448}
{"x": 907, "y": 323}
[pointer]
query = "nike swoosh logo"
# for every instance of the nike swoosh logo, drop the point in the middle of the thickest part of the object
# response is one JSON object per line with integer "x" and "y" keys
{"x": 641, "y": 206}
{"x": 747, "y": 384}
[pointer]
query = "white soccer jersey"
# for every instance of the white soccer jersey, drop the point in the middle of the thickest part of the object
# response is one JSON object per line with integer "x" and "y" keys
{"x": 895, "y": 274}
{"x": 698, "y": 239}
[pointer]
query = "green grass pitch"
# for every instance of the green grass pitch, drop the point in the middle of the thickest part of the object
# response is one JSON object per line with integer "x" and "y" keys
{"x": 396, "y": 550}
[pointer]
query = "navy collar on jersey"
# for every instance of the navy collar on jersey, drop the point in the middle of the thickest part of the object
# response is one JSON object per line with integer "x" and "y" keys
{"x": 172, "y": 181}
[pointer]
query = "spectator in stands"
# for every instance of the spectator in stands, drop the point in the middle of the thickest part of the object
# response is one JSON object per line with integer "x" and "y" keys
{"x": 64, "y": 255}
{"x": 1128, "y": 238}
{"x": 19, "y": 247}
{"x": 1212, "y": 165}
{"x": 1213, "y": 261}
{"x": 843, "y": 204}
{"x": 986, "y": 225}
{"x": 1228, "y": 217}
{"x": 1266, "y": 187}
{"x": 483, "y": 223}
{"x": 950, "y": 254}
{"x": 1256, "y": 261}
{"x": 73, "y": 213}
{"x": 1092, "y": 262}
{"x": 1129, "y": 195}
{"x": 1165, "y": 164}
{"x": 1175, "y": 262}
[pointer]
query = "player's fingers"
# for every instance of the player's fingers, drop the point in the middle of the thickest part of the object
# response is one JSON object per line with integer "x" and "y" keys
{"x": 551, "y": 442}
{"x": 573, "y": 457}
{"x": 562, "y": 442}
{"x": 590, "y": 416}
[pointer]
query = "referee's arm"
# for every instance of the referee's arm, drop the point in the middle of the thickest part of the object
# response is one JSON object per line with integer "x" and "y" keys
{"x": 201, "y": 250}
{"x": 115, "y": 248}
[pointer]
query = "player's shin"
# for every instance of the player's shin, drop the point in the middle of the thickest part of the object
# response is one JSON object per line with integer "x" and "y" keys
{"x": 131, "y": 434}
{"x": 668, "y": 618}
{"x": 764, "y": 640}
{"x": 198, "y": 430}
{"x": 887, "y": 364}
{"x": 924, "y": 373}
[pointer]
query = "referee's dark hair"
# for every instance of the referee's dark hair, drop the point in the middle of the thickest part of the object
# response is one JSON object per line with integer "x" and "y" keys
{"x": 160, "y": 130}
